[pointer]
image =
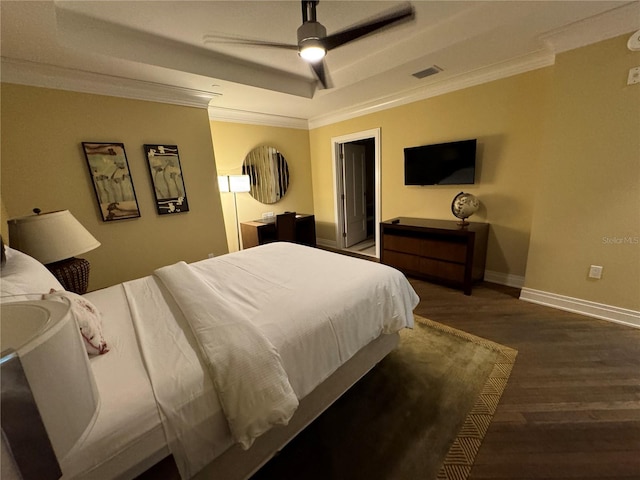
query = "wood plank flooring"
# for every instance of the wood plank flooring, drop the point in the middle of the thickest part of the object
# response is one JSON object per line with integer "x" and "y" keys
{"x": 571, "y": 409}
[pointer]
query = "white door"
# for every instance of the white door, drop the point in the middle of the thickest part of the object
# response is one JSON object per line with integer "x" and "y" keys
{"x": 354, "y": 204}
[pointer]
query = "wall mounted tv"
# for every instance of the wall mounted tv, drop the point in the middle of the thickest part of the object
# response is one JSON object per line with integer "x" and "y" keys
{"x": 452, "y": 163}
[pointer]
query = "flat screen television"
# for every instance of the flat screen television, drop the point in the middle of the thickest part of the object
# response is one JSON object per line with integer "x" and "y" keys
{"x": 452, "y": 163}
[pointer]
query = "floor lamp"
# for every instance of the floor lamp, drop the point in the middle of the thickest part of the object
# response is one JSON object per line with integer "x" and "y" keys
{"x": 235, "y": 184}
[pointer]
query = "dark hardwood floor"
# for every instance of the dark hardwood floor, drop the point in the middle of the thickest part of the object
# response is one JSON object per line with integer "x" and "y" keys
{"x": 571, "y": 409}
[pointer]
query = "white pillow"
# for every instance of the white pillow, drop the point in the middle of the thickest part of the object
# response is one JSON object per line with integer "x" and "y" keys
{"x": 24, "y": 278}
{"x": 87, "y": 317}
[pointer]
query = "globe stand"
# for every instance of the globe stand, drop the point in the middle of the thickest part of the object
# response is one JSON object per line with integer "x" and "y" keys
{"x": 463, "y": 223}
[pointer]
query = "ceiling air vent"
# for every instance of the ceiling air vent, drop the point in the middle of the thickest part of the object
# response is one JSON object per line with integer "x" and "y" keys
{"x": 427, "y": 72}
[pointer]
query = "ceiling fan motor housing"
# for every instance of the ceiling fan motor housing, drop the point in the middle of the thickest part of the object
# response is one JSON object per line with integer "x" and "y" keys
{"x": 310, "y": 31}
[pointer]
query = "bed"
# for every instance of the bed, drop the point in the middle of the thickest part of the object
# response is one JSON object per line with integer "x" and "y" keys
{"x": 169, "y": 385}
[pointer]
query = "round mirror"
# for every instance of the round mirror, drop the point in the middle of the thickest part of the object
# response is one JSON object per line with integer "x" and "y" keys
{"x": 269, "y": 174}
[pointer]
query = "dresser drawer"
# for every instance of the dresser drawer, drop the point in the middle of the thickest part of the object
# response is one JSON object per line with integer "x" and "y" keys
{"x": 401, "y": 243}
{"x": 401, "y": 261}
{"x": 452, "y": 251}
{"x": 451, "y": 272}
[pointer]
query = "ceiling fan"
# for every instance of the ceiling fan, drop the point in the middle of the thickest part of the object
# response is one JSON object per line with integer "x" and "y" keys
{"x": 313, "y": 41}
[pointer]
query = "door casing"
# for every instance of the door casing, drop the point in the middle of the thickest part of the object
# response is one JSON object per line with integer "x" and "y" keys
{"x": 338, "y": 187}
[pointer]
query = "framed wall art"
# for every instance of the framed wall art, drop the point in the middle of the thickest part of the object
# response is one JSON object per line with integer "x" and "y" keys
{"x": 112, "y": 181}
{"x": 166, "y": 176}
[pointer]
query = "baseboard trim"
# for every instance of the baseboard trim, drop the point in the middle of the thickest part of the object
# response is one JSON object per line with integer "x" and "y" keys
{"x": 507, "y": 279}
{"x": 602, "y": 311}
{"x": 325, "y": 242}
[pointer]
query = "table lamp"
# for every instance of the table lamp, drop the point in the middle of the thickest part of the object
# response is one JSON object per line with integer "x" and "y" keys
{"x": 49, "y": 399}
{"x": 235, "y": 184}
{"x": 54, "y": 239}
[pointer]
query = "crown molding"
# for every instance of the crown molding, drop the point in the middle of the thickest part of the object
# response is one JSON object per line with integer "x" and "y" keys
{"x": 621, "y": 20}
{"x": 484, "y": 75}
{"x": 530, "y": 62}
{"x": 254, "y": 118}
{"x": 49, "y": 76}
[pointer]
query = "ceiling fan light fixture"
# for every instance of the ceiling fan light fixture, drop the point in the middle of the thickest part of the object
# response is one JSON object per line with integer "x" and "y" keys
{"x": 310, "y": 46}
{"x": 312, "y": 53}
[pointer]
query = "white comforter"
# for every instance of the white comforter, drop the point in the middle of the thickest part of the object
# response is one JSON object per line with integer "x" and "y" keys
{"x": 315, "y": 308}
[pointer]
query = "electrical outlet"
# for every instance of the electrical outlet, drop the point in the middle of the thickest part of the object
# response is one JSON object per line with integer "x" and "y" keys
{"x": 595, "y": 271}
{"x": 211, "y": 255}
{"x": 634, "y": 76}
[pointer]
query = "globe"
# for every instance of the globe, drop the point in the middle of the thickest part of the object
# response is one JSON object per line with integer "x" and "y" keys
{"x": 463, "y": 206}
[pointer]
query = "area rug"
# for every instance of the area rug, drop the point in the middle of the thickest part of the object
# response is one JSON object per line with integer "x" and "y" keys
{"x": 421, "y": 413}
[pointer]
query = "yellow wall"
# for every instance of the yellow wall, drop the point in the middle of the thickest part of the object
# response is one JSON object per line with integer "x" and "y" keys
{"x": 233, "y": 141}
{"x": 4, "y": 228}
{"x": 506, "y": 117}
{"x": 43, "y": 166}
{"x": 588, "y": 204}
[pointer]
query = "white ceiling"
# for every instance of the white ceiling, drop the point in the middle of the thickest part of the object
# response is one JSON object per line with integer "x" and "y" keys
{"x": 159, "y": 47}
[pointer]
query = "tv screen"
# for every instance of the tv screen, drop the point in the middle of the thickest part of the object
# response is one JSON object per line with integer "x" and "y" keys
{"x": 452, "y": 163}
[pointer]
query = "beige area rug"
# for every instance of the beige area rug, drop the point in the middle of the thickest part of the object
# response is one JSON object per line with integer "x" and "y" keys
{"x": 421, "y": 413}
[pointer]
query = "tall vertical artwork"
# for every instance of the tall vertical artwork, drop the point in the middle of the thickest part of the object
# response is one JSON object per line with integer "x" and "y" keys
{"x": 112, "y": 181}
{"x": 166, "y": 176}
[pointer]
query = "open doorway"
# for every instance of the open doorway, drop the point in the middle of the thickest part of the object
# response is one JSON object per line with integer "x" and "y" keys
{"x": 357, "y": 191}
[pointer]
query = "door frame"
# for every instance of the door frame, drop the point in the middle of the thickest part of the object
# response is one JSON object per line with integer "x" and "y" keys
{"x": 338, "y": 187}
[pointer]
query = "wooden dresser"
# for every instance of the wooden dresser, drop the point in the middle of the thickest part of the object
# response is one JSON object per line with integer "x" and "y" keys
{"x": 437, "y": 250}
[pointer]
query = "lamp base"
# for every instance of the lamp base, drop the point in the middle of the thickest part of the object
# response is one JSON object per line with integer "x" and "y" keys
{"x": 72, "y": 273}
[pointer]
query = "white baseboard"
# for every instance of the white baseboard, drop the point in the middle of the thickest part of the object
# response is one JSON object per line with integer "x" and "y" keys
{"x": 325, "y": 242}
{"x": 507, "y": 279}
{"x": 585, "y": 307}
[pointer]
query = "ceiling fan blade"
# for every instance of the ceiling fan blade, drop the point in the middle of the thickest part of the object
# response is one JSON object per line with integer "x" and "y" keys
{"x": 320, "y": 71}
{"x": 404, "y": 13}
{"x": 229, "y": 40}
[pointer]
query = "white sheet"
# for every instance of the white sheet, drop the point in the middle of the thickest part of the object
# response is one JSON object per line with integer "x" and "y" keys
{"x": 128, "y": 419}
{"x": 317, "y": 308}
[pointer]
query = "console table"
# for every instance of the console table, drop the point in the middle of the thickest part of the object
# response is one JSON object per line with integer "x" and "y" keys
{"x": 437, "y": 250}
{"x": 259, "y": 232}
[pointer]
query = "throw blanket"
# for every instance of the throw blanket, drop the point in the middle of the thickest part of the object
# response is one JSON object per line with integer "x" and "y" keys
{"x": 245, "y": 367}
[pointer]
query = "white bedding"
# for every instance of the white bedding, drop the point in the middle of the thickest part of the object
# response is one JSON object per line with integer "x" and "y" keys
{"x": 128, "y": 419}
{"x": 316, "y": 322}
{"x": 316, "y": 308}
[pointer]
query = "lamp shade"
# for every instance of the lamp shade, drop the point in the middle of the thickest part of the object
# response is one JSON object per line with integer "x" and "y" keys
{"x": 239, "y": 183}
{"x": 223, "y": 183}
{"x": 50, "y": 237}
{"x": 45, "y": 337}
